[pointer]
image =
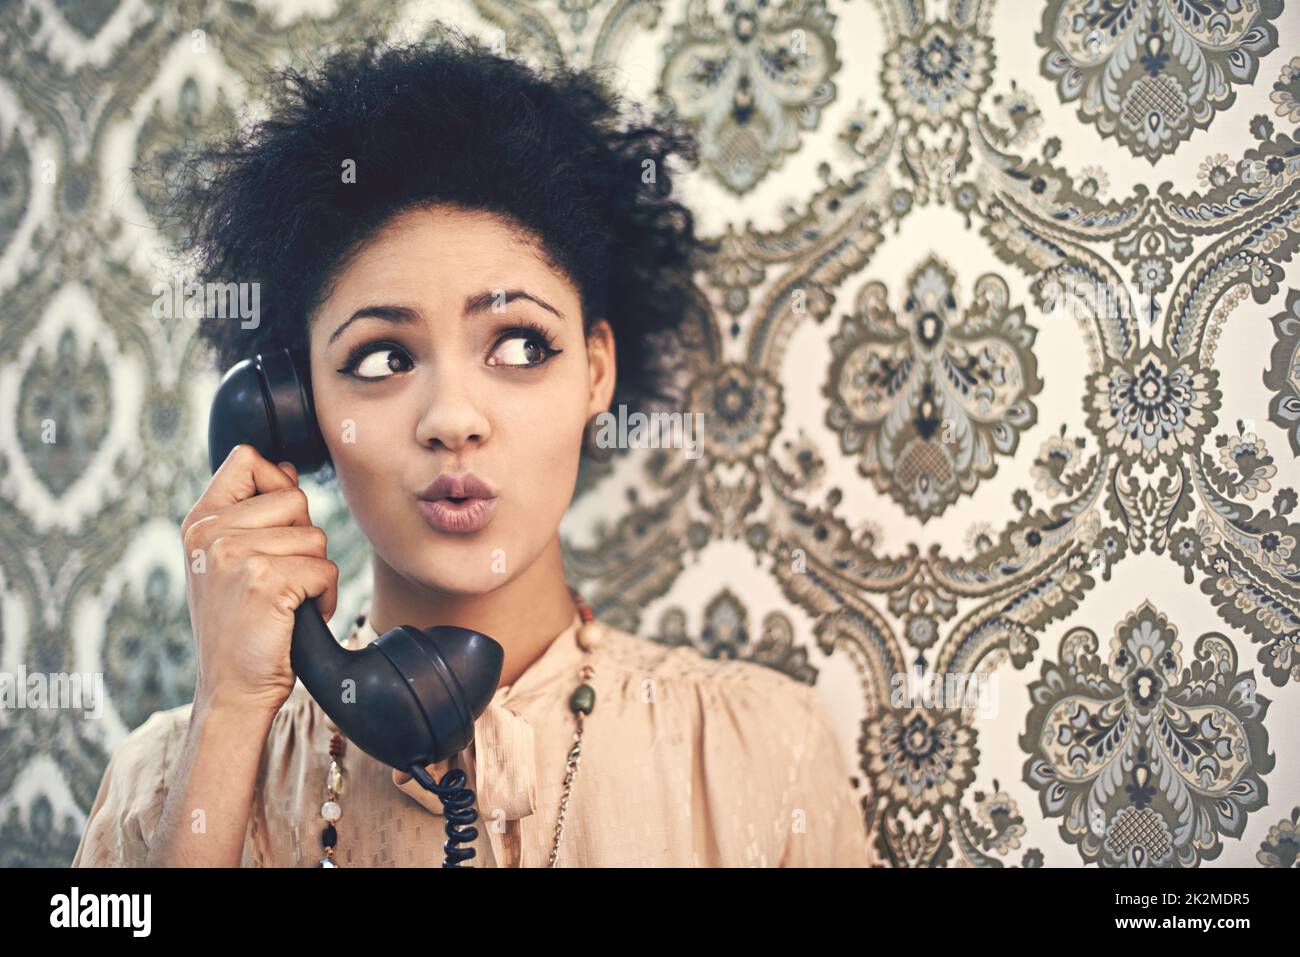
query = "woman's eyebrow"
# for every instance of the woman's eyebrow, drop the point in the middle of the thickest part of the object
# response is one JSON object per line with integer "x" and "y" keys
{"x": 399, "y": 315}
{"x": 489, "y": 297}
{"x": 475, "y": 304}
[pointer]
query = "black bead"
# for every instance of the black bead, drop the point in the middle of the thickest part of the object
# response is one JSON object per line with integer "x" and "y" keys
{"x": 329, "y": 837}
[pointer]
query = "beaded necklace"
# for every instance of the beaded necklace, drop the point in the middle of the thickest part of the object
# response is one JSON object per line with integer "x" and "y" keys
{"x": 582, "y": 702}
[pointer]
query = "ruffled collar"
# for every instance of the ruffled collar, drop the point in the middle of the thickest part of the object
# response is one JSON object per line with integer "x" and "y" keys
{"x": 502, "y": 759}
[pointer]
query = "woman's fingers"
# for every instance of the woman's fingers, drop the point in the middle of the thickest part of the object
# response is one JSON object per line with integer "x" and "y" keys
{"x": 242, "y": 475}
{"x": 286, "y": 507}
{"x": 305, "y": 578}
{"x": 310, "y": 541}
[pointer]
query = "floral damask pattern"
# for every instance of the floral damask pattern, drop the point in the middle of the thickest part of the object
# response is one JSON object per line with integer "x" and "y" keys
{"x": 749, "y": 79}
{"x": 1153, "y": 408}
{"x": 995, "y": 348}
{"x": 928, "y": 398}
{"x": 1148, "y": 759}
{"x": 1283, "y": 374}
{"x": 741, "y": 412}
{"x": 937, "y": 75}
{"x": 1282, "y": 847}
{"x": 1286, "y": 92}
{"x": 1149, "y": 72}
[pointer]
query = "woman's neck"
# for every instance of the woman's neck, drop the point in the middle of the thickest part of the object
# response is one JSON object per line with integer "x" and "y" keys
{"x": 524, "y": 615}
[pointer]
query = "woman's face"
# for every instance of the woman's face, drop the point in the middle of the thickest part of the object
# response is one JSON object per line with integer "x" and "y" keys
{"x": 447, "y": 376}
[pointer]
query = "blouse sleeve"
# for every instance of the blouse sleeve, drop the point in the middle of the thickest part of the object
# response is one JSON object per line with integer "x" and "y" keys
{"x": 826, "y": 824}
{"x": 130, "y": 799}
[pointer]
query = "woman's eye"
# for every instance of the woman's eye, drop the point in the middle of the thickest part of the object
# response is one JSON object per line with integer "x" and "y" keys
{"x": 379, "y": 363}
{"x": 524, "y": 349}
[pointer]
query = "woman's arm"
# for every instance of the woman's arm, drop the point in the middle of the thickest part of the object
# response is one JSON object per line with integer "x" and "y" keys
{"x": 205, "y": 817}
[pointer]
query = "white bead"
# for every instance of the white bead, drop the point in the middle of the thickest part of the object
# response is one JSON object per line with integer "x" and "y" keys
{"x": 331, "y": 811}
{"x": 591, "y": 634}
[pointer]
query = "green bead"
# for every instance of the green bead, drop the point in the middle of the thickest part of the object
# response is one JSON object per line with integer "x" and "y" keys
{"x": 584, "y": 699}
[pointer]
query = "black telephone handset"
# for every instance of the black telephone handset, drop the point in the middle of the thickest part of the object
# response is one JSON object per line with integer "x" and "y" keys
{"x": 417, "y": 692}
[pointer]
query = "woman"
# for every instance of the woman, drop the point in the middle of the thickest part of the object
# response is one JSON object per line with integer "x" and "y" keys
{"x": 477, "y": 260}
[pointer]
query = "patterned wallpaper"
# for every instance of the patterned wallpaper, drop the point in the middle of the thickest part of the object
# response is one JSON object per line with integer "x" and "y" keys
{"x": 1003, "y": 383}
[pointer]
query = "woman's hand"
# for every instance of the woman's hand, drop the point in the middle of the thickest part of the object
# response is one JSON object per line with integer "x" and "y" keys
{"x": 252, "y": 557}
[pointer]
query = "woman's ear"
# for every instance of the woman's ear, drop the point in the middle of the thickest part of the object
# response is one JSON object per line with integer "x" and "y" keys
{"x": 601, "y": 366}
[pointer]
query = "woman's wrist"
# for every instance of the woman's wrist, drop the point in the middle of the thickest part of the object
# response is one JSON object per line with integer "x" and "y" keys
{"x": 242, "y": 716}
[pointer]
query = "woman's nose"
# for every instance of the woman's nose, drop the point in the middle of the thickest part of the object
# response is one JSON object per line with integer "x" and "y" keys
{"x": 454, "y": 415}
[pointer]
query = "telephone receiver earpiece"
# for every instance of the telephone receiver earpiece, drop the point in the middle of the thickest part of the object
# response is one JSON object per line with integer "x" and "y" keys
{"x": 410, "y": 697}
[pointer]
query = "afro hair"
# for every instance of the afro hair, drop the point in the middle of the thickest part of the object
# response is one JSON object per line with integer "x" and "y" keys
{"x": 447, "y": 121}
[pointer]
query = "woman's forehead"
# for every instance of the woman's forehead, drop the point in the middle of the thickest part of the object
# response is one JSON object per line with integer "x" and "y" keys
{"x": 436, "y": 265}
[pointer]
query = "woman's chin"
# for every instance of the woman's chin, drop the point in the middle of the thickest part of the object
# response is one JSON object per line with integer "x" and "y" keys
{"x": 465, "y": 577}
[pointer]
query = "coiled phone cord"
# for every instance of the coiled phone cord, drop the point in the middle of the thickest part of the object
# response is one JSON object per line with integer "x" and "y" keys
{"x": 457, "y": 808}
{"x": 458, "y": 800}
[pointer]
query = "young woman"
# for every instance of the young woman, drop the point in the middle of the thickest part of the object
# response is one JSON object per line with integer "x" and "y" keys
{"x": 477, "y": 260}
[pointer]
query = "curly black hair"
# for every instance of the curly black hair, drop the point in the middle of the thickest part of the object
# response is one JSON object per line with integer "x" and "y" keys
{"x": 446, "y": 121}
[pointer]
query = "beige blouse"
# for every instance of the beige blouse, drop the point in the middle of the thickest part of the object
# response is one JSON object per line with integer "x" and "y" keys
{"x": 685, "y": 761}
